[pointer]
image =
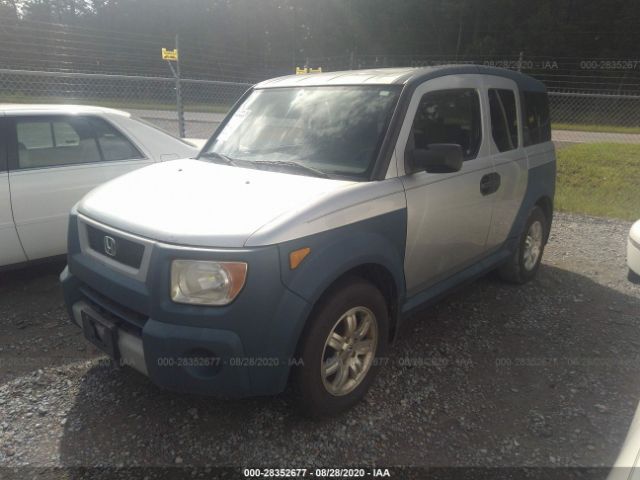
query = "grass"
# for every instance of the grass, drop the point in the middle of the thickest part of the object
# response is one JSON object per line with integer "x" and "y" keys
{"x": 600, "y": 179}
{"x": 577, "y": 127}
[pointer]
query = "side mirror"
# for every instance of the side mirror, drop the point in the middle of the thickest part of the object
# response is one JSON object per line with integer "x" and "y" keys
{"x": 436, "y": 158}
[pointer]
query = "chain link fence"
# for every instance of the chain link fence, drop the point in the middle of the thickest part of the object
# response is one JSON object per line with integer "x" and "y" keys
{"x": 151, "y": 98}
{"x": 591, "y": 100}
{"x": 578, "y": 117}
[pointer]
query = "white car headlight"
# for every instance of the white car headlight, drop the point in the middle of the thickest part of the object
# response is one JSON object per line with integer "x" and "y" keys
{"x": 206, "y": 283}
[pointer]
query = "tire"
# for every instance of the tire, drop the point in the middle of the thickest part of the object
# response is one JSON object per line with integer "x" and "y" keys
{"x": 325, "y": 395}
{"x": 633, "y": 277}
{"x": 521, "y": 268}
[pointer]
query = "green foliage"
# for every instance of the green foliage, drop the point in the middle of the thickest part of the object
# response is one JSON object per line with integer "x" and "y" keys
{"x": 287, "y": 28}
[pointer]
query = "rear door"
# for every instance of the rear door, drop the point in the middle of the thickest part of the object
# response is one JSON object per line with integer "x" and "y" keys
{"x": 10, "y": 248}
{"x": 54, "y": 161}
{"x": 507, "y": 151}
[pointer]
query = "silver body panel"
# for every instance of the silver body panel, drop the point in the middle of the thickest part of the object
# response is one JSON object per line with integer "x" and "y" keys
{"x": 269, "y": 207}
{"x": 448, "y": 219}
{"x": 211, "y": 205}
{"x": 510, "y": 165}
{"x": 360, "y": 201}
{"x": 385, "y": 76}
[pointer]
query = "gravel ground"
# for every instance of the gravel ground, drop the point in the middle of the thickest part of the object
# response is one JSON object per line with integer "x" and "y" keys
{"x": 541, "y": 375}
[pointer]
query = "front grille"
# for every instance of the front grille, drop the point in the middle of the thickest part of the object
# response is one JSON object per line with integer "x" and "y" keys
{"x": 130, "y": 319}
{"x": 121, "y": 249}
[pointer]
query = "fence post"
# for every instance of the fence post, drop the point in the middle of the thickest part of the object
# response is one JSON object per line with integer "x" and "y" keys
{"x": 520, "y": 60}
{"x": 179, "y": 105}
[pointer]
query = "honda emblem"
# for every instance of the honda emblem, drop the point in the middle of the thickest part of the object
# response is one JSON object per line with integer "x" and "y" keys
{"x": 110, "y": 246}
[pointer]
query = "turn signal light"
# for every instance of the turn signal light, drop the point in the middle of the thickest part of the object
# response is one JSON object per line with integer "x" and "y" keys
{"x": 297, "y": 256}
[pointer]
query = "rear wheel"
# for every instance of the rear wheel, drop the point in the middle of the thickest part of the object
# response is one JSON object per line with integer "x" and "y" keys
{"x": 524, "y": 263}
{"x": 633, "y": 277}
{"x": 347, "y": 332}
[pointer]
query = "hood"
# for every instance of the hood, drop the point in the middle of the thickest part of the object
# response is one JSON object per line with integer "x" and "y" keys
{"x": 198, "y": 203}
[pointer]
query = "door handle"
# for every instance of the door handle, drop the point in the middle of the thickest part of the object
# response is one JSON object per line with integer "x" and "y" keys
{"x": 490, "y": 183}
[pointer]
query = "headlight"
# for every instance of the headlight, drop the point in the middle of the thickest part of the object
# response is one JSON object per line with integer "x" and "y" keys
{"x": 206, "y": 283}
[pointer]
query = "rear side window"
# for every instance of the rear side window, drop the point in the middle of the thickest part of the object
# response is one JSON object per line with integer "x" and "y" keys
{"x": 504, "y": 119}
{"x": 50, "y": 142}
{"x": 537, "y": 125}
{"x": 113, "y": 144}
{"x": 449, "y": 116}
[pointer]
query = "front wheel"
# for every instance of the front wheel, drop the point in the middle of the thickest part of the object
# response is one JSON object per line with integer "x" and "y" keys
{"x": 524, "y": 263}
{"x": 347, "y": 332}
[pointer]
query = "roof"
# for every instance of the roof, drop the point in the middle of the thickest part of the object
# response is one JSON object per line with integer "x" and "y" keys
{"x": 398, "y": 76}
{"x": 38, "y": 109}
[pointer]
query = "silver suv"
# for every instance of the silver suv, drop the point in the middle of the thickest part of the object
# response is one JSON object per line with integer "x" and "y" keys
{"x": 324, "y": 209}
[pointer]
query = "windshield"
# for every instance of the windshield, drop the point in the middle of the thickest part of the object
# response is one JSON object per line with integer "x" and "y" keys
{"x": 335, "y": 131}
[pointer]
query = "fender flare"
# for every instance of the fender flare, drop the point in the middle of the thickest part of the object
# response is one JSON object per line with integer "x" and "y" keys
{"x": 332, "y": 260}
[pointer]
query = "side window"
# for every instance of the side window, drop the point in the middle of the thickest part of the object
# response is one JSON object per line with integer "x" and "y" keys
{"x": 113, "y": 144}
{"x": 449, "y": 116}
{"x": 504, "y": 119}
{"x": 537, "y": 124}
{"x": 55, "y": 141}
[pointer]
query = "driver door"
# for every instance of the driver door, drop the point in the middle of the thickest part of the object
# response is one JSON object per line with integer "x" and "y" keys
{"x": 449, "y": 214}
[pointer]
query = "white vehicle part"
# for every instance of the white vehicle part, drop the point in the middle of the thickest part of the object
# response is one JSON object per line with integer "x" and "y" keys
{"x": 42, "y": 199}
{"x": 633, "y": 248}
{"x": 10, "y": 248}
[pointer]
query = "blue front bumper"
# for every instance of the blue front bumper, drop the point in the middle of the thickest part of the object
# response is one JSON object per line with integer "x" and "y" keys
{"x": 253, "y": 339}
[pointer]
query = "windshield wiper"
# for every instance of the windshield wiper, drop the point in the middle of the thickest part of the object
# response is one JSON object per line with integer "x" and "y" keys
{"x": 281, "y": 163}
{"x": 219, "y": 156}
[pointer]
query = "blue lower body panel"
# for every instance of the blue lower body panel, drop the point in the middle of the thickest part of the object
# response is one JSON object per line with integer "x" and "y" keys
{"x": 199, "y": 357}
{"x": 195, "y": 360}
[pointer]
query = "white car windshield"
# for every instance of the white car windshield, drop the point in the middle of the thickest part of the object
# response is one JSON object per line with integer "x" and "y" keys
{"x": 329, "y": 131}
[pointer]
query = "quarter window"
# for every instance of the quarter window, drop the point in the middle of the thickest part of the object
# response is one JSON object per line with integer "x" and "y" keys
{"x": 537, "y": 125}
{"x": 504, "y": 119}
{"x": 55, "y": 141}
{"x": 449, "y": 116}
{"x": 113, "y": 144}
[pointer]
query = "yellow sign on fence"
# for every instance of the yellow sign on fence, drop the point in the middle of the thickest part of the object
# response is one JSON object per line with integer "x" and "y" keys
{"x": 305, "y": 70}
{"x": 170, "y": 55}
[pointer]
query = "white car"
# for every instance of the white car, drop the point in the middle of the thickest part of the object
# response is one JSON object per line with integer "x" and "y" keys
{"x": 52, "y": 155}
{"x": 633, "y": 252}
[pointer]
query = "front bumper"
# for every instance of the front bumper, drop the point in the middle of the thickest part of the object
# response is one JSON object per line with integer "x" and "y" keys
{"x": 192, "y": 359}
{"x": 253, "y": 340}
{"x": 129, "y": 345}
{"x": 186, "y": 359}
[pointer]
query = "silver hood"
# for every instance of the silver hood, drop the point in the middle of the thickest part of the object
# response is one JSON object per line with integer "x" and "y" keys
{"x": 197, "y": 203}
